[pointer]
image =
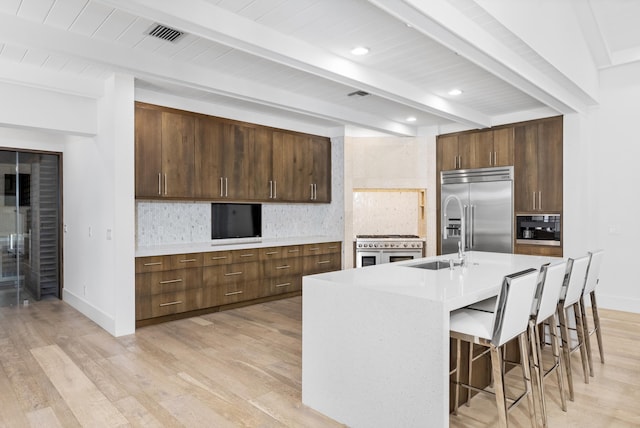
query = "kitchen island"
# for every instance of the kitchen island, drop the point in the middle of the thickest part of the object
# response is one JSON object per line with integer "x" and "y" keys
{"x": 375, "y": 340}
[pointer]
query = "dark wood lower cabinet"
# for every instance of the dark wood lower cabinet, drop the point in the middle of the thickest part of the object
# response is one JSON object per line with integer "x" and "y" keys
{"x": 182, "y": 285}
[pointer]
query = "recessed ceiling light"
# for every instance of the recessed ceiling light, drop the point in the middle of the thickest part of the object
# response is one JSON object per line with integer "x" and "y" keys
{"x": 360, "y": 50}
{"x": 411, "y": 119}
{"x": 455, "y": 92}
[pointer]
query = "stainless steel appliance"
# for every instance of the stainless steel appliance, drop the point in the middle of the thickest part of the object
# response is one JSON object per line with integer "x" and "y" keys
{"x": 377, "y": 249}
{"x": 477, "y": 210}
{"x": 538, "y": 229}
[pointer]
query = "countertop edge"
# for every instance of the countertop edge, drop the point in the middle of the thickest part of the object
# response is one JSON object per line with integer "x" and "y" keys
{"x": 200, "y": 247}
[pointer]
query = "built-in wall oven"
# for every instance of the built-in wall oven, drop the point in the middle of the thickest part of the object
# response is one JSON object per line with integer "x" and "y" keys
{"x": 378, "y": 249}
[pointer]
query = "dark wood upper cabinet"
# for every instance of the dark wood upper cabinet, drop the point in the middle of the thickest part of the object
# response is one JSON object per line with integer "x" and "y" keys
{"x": 192, "y": 156}
{"x": 538, "y": 166}
{"x": 164, "y": 147}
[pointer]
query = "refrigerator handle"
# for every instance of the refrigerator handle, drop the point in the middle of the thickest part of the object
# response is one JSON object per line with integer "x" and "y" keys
{"x": 472, "y": 212}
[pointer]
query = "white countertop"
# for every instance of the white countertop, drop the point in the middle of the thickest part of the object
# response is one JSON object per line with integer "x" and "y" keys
{"x": 200, "y": 247}
{"x": 478, "y": 280}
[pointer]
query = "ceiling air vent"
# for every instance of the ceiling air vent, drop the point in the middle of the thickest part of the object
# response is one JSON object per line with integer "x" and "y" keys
{"x": 359, "y": 93}
{"x": 165, "y": 33}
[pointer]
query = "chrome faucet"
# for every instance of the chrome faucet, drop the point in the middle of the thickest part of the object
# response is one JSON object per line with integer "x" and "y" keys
{"x": 463, "y": 232}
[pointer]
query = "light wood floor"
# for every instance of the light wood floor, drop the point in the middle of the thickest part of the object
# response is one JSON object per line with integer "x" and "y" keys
{"x": 230, "y": 369}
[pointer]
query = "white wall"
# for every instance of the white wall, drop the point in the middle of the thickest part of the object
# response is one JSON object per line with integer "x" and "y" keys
{"x": 613, "y": 199}
{"x": 99, "y": 274}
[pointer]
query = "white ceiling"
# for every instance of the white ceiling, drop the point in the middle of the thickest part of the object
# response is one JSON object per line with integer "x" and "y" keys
{"x": 291, "y": 58}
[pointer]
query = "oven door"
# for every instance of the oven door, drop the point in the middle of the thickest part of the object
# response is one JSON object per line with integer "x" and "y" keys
{"x": 400, "y": 255}
{"x": 368, "y": 258}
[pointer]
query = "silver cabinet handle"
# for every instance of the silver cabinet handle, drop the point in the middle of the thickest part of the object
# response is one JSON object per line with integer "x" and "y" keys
{"x": 218, "y": 257}
{"x": 177, "y": 302}
{"x": 539, "y": 200}
{"x": 171, "y": 281}
{"x": 246, "y": 255}
{"x": 270, "y": 253}
{"x": 283, "y": 284}
{"x": 233, "y": 273}
{"x": 188, "y": 260}
{"x": 221, "y": 191}
{"x": 311, "y": 193}
{"x": 165, "y": 183}
{"x": 270, "y": 189}
{"x": 153, "y": 264}
{"x": 159, "y": 183}
{"x": 283, "y": 267}
{"x": 226, "y": 186}
{"x": 495, "y": 158}
{"x": 275, "y": 189}
{"x": 314, "y": 249}
{"x": 322, "y": 262}
{"x": 233, "y": 293}
{"x": 294, "y": 251}
{"x": 534, "y": 200}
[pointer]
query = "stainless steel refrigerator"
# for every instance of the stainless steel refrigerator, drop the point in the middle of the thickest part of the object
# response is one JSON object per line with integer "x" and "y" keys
{"x": 485, "y": 196}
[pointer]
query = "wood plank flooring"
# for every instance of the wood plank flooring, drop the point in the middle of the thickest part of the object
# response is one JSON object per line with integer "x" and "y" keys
{"x": 238, "y": 368}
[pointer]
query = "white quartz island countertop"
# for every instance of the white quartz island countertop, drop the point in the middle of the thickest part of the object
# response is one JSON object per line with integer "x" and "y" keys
{"x": 375, "y": 340}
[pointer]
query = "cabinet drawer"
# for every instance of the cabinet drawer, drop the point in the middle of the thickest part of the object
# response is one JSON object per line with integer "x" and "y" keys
{"x": 243, "y": 256}
{"x": 216, "y": 258}
{"x": 282, "y": 267}
{"x": 222, "y": 294}
{"x": 323, "y": 248}
{"x": 280, "y": 252}
{"x": 159, "y": 305}
{"x": 283, "y": 284}
{"x": 167, "y": 281}
{"x": 153, "y": 264}
{"x": 181, "y": 261}
{"x": 322, "y": 263}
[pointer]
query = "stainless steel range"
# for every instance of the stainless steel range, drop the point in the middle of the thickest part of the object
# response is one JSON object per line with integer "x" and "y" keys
{"x": 377, "y": 249}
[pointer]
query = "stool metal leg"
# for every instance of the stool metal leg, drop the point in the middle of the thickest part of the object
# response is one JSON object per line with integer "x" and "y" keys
{"x": 577, "y": 310}
{"x": 555, "y": 348}
{"x": 535, "y": 363}
{"x": 587, "y": 340}
{"x": 522, "y": 340}
{"x": 498, "y": 382}
{"x": 566, "y": 347}
{"x": 596, "y": 323}
{"x": 458, "y": 360}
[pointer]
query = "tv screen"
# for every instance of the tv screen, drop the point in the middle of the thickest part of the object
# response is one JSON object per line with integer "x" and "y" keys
{"x": 236, "y": 221}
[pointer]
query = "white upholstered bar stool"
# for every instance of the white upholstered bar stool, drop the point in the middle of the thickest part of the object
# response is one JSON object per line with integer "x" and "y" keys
{"x": 493, "y": 330}
{"x": 551, "y": 280}
{"x": 570, "y": 300}
{"x": 593, "y": 274}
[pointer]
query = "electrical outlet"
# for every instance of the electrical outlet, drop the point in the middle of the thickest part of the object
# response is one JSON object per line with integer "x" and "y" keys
{"x": 90, "y": 231}
{"x": 109, "y": 234}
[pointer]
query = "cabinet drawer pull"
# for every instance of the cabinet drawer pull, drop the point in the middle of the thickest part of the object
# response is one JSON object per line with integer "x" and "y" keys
{"x": 218, "y": 258}
{"x": 314, "y": 249}
{"x": 321, "y": 262}
{"x": 246, "y": 255}
{"x": 153, "y": 264}
{"x": 283, "y": 267}
{"x": 283, "y": 285}
{"x": 271, "y": 253}
{"x": 233, "y": 273}
{"x": 188, "y": 260}
{"x": 335, "y": 247}
{"x": 171, "y": 281}
{"x": 159, "y": 184}
{"x": 293, "y": 251}
{"x": 233, "y": 293}
{"x": 177, "y": 302}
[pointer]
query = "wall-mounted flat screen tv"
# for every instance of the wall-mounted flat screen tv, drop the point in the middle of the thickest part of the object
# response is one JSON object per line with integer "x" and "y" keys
{"x": 233, "y": 221}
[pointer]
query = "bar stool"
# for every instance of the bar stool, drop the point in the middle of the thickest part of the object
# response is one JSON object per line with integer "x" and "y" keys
{"x": 570, "y": 298}
{"x": 493, "y": 330}
{"x": 593, "y": 274}
{"x": 550, "y": 284}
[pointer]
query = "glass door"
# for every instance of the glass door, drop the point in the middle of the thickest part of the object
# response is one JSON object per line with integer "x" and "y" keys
{"x": 29, "y": 227}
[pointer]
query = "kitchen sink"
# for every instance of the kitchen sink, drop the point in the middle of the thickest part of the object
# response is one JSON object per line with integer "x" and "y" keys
{"x": 433, "y": 265}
